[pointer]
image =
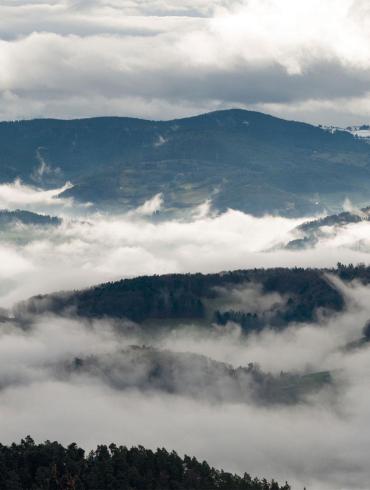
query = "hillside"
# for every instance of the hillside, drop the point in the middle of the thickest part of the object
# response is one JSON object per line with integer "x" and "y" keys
{"x": 251, "y": 298}
{"x": 310, "y": 232}
{"x": 241, "y": 159}
{"x": 151, "y": 369}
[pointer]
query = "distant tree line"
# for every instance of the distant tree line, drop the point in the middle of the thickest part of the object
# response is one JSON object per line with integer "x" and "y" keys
{"x": 27, "y": 218}
{"x": 50, "y": 466}
{"x": 197, "y": 376}
{"x": 350, "y": 272}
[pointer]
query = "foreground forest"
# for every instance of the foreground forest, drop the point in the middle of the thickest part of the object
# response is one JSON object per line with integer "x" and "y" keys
{"x": 50, "y": 466}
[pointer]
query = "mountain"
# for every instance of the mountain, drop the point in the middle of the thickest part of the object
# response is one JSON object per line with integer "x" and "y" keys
{"x": 241, "y": 159}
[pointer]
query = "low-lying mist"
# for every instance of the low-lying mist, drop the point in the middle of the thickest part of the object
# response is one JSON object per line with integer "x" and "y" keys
{"x": 96, "y": 381}
{"x": 88, "y": 248}
{"x": 320, "y": 441}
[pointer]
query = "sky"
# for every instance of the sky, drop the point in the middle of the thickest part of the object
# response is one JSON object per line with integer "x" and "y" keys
{"x": 161, "y": 59}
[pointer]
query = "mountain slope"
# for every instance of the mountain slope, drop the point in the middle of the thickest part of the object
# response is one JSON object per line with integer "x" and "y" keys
{"x": 242, "y": 159}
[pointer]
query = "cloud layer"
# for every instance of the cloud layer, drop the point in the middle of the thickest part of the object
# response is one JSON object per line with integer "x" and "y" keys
{"x": 322, "y": 444}
{"x": 164, "y": 59}
{"x": 89, "y": 248}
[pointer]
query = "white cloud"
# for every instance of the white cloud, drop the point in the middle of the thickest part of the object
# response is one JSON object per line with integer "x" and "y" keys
{"x": 161, "y": 59}
{"x": 16, "y": 195}
{"x": 87, "y": 249}
{"x": 322, "y": 444}
{"x": 151, "y": 206}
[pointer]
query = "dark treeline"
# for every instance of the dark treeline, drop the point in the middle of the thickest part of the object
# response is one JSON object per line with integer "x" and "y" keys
{"x": 27, "y": 218}
{"x": 335, "y": 219}
{"x": 351, "y": 272}
{"x": 314, "y": 230}
{"x": 50, "y": 466}
{"x": 198, "y": 297}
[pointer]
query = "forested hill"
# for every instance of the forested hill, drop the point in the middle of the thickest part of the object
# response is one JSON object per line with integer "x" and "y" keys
{"x": 251, "y": 298}
{"x": 51, "y": 466}
{"x": 154, "y": 370}
{"x": 312, "y": 231}
{"x": 241, "y": 159}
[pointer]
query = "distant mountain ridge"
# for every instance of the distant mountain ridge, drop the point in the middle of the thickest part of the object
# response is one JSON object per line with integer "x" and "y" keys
{"x": 241, "y": 159}
{"x": 310, "y": 232}
{"x": 9, "y": 218}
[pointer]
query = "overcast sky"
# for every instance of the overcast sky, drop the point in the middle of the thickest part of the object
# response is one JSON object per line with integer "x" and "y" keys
{"x": 306, "y": 59}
